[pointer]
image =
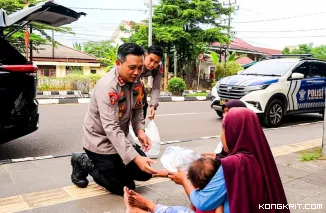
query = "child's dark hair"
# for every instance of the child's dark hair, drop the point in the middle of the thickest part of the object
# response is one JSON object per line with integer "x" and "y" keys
{"x": 201, "y": 171}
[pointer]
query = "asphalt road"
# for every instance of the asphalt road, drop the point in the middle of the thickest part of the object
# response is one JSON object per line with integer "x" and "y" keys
{"x": 61, "y": 128}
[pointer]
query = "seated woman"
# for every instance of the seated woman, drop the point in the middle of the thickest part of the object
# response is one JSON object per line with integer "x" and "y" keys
{"x": 247, "y": 178}
{"x": 219, "y": 152}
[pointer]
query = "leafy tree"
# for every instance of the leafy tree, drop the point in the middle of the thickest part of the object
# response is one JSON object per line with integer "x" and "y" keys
{"x": 234, "y": 57}
{"x": 227, "y": 69}
{"x": 187, "y": 25}
{"x": 39, "y": 35}
{"x": 302, "y": 49}
{"x": 214, "y": 56}
{"x": 105, "y": 51}
{"x": 77, "y": 46}
{"x": 286, "y": 50}
{"x": 316, "y": 52}
{"x": 230, "y": 66}
{"x": 319, "y": 52}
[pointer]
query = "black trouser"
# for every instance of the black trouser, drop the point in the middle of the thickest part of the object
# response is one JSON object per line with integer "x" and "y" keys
{"x": 145, "y": 104}
{"x": 110, "y": 172}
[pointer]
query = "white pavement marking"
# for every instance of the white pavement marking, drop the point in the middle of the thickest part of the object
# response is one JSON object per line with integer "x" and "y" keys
{"x": 171, "y": 142}
{"x": 191, "y": 113}
{"x": 208, "y": 137}
{"x": 178, "y": 98}
{"x": 201, "y": 98}
{"x": 83, "y": 100}
{"x": 48, "y": 101}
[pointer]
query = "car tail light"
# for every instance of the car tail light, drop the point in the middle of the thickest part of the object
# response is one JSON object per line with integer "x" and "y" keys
{"x": 20, "y": 68}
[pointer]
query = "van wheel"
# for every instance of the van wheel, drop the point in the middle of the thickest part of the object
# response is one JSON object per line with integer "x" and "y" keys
{"x": 219, "y": 113}
{"x": 274, "y": 114}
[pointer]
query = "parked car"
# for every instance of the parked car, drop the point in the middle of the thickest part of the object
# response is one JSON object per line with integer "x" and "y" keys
{"x": 19, "y": 114}
{"x": 273, "y": 88}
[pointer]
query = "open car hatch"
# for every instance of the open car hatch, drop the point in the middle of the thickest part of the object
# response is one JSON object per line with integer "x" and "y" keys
{"x": 48, "y": 13}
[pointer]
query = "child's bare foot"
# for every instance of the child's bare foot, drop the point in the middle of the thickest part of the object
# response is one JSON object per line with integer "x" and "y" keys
{"x": 125, "y": 200}
{"x": 136, "y": 200}
{"x": 129, "y": 208}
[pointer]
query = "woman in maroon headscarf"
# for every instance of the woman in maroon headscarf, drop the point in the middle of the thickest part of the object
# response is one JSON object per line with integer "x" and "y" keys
{"x": 247, "y": 179}
{"x": 250, "y": 174}
{"x": 219, "y": 151}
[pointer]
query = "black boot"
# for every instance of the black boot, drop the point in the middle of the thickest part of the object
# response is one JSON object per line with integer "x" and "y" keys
{"x": 81, "y": 165}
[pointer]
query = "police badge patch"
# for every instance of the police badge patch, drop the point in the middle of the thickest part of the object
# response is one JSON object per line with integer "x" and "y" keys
{"x": 139, "y": 93}
{"x": 122, "y": 110}
{"x": 113, "y": 98}
{"x": 161, "y": 69}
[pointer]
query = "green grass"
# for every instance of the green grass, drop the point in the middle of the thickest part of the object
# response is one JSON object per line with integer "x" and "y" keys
{"x": 198, "y": 94}
{"x": 311, "y": 154}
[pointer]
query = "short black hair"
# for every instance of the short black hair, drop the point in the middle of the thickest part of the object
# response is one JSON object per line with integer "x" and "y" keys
{"x": 155, "y": 50}
{"x": 129, "y": 49}
{"x": 202, "y": 170}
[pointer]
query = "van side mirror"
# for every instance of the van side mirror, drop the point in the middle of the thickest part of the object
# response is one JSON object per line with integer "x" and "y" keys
{"x": 296, "y": 76}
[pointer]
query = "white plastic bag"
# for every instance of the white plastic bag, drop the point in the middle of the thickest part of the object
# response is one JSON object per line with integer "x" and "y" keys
{"x": 176, "y": 157}
{"x": 154, "y": 135}
{"x": 152, "y": 132}
{"x": 132, "y": 133}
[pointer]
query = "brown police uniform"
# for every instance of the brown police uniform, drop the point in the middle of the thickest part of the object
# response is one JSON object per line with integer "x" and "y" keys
{"x": 113, "y": 105}
{"x": 155, "y": 93}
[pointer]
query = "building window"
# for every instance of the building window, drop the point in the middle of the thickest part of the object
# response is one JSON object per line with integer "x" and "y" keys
{"x": 93, "y": 71}
{"x": 52, "y": 73}
{"x": 68, "y": 72}
{"x": 47, "y": 71}
{"x": 40, "y": 72}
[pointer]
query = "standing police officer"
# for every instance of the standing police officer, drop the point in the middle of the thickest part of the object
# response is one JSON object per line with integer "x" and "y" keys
{"x": 153, "y": 67}
{"x": 113, "y": 160}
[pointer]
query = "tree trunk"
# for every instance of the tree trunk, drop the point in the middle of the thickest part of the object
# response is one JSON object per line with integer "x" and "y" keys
{"x": 166, "y": 71}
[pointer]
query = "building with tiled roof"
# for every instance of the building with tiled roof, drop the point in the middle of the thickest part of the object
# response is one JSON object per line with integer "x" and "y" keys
{"x": 241, "y": 47}
{"x": 60, "y": 60}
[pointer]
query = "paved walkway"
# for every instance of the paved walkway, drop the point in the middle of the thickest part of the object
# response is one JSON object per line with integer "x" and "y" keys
{"x": 44, "y": 186}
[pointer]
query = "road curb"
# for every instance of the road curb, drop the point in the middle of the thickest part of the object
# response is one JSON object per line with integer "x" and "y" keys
{"x": 86, "y": 100}
{"x": 286, "y": 149}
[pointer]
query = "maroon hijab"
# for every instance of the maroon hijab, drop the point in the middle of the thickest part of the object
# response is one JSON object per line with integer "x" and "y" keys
{"x": 250, "y": 172}
{"x": 234, "y": 103}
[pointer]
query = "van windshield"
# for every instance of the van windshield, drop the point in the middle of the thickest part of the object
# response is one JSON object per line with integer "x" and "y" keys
{"x": 269, "y": 68}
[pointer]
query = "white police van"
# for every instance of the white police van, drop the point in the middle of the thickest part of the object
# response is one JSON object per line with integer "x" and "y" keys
{"x": 273, "y": 88}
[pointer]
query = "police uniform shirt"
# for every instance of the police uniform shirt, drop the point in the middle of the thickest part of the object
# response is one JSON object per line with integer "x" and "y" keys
{"x": 112, "y": 106}
{"x": 157, "y": 76}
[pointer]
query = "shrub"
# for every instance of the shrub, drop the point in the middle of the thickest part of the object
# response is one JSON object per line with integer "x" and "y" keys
{"x": 71, "y": 82}
{"x": 230, "y": 68}
{"x": 176, "y": 86}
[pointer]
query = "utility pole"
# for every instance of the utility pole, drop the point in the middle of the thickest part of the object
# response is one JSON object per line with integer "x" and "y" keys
{"x": 166, "y": 71}
{"x": 150, "y": 32}
{"x": 230, "y": 4}
{"x": 150, "y": 25}
{"x": 175, "y": 62}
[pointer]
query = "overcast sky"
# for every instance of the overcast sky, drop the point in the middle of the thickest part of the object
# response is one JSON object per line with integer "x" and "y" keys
{"x": 251, "y": 21}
